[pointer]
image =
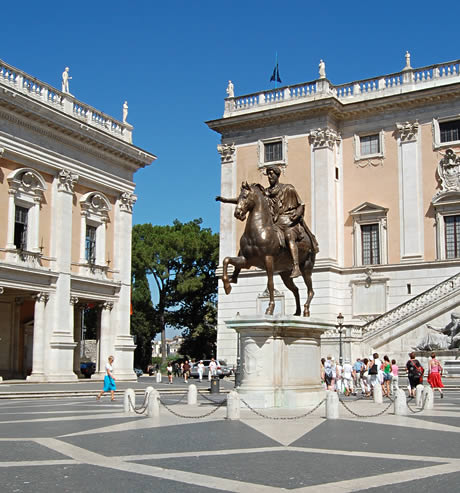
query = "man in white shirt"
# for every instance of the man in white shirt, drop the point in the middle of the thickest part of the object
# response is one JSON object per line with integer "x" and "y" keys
{"x": 212, "y": 369}
{"x": 347, "y": 377}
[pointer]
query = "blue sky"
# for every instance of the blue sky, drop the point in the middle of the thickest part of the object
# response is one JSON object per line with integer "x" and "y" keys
{"x": 171, "y": 60}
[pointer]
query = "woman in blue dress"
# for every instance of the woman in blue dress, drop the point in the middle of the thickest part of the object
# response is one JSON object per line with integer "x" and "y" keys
{"x": 109, "y": 380}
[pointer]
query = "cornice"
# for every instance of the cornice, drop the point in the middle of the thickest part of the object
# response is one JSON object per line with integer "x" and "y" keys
{"x": 333, "y": 107}
{"x": 71, "y": 131}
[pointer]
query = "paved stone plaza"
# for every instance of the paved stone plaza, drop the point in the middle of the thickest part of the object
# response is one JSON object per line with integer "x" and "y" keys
{"x": 81, "y": 445}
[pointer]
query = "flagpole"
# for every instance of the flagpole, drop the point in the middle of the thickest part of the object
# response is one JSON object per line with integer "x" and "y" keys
{"x": 276, "y": 65}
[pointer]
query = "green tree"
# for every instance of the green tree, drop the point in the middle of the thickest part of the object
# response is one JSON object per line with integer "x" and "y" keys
{"x": 182, "y": 260}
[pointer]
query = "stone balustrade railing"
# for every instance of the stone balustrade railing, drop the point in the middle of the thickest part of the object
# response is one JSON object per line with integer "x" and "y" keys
{"x": 67, "y": 103}
{"x": 407, "y": 80}
{"x": 414, "y": 305}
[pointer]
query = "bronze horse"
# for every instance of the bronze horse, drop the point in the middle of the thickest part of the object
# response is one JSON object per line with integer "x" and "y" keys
{"x": 260, "y": 247}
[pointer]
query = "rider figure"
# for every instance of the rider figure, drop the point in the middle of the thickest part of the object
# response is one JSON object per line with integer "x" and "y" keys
{"x": 287, "y": 212}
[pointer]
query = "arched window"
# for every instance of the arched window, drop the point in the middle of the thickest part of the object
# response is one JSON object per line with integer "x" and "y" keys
{"x": 26, "y": 188}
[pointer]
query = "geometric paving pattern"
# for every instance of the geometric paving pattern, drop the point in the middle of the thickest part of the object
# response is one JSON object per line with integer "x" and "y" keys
{"x": 80, "y": 445}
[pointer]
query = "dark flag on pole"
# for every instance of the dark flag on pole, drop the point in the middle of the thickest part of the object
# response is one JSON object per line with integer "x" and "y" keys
{"x": 276, "y": 74}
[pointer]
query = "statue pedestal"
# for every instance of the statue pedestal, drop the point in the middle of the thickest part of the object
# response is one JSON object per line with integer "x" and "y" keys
{"x": 280, "y": 361}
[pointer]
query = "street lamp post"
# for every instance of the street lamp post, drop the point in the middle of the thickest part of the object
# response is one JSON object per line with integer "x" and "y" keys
{"x": 340, "y": 327}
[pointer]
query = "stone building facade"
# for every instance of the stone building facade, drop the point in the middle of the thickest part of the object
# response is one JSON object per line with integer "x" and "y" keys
{"x": 377, "y": 164}
{"x": 66, "y": 199}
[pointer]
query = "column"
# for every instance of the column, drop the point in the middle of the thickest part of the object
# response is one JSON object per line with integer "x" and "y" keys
{"x": 11, "y": 219}
{"x": 227, "y": 244}
{"x": 75, "y": 322}
{"x": 410, "y": 192}
{"x": 38, "y": 350}
{"x": 105, "y": 339}
{"x": 324, "y": 194}
{"x": 34, "y": 224}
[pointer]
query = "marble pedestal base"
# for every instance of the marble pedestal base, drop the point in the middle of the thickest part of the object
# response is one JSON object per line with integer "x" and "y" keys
{"x": 280, "y": 361}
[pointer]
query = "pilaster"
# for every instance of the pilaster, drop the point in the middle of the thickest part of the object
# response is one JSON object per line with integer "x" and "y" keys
{"x": 410, "y": 189}
{"x": 324, "y": 142}
{"x": 227, "y": 244}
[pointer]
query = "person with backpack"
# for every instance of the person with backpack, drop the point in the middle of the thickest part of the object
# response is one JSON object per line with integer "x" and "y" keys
{"x": 414, "y": 373}
{"x": 329, "y": 373}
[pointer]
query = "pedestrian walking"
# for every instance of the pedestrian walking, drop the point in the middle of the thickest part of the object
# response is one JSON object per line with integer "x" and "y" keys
{"x": 170, "y": 370}
{"x": 329, "y": 373}
{"x": 200, "y": 367}
{"x": 109, "y": 380}
{"x": 212, "y": 369}
{"x": 387, "y": 376}
{"x": 434, "y": 374}
{"x": 357, "y": 367}
{"x": 365, "y": 386}
{"x": 395, "y": 376}
{"x": 375, "y": 372}
{"x": 186, "y": 371}
{"x": 414, "y": 373}
{"x": 347, "y": 378}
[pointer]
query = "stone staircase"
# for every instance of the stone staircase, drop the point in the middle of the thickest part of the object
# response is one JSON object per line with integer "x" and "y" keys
{"x": 419, "y": 310}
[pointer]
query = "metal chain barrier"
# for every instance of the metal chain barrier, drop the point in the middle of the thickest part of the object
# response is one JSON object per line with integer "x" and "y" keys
{"x": 282, "y": 418}
{"x": 208, "y": 398}
{"x": 179, "y": 415}
{"x": 365, "y": 416}
{"x": 141, "y": 409}
{"x": 418, "y": 410}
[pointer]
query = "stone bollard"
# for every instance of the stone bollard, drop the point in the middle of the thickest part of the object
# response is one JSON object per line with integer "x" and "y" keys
{"x": 377, "y": 393}
{"x": 419, "y": 395}
{"x": 233, "y": 405}
{"x": 192, "y": 395}
{"x": 400, "y": 407}
{"x": 153, "y": 404}
{"x": 129, "y": 400}
{"x": 429, "y": 398}
{"x": 332, "y": 405}
{"x": 158, "y": 377}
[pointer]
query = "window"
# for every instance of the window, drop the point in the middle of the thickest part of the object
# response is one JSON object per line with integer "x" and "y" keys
{"x": 273, "y": 151}
{"x": 452, "y": 232}
{"x": 25, "y": 194}
{"x": 370, "y": 244}
{"x": 369, "y": 234}
{"x": 90, "y": 244}
{"x": 449, "y": 131}
{"x": 370, "y": 144}
{"x": 20, "y": 227}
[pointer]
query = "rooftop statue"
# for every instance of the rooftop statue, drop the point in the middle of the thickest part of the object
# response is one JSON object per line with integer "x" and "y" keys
{"x": 65, "y": 80}
{"x": 125, "y": 111}
{"x": 322, "y": 69}
{"x": 230, "y": 90}
{"x": 276, "y": 238}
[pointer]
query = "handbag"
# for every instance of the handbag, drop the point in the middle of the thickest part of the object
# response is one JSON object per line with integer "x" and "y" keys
{"x": 373, "y": 370}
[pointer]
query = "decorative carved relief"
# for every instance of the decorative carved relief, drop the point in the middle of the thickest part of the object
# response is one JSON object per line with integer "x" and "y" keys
{"x": 127, "y": 201}
{"x": 107, "y": 305}
{"x": 66, "y": 181}
{"x": 449, "y": 172}
{"x": 226, "y": 152}
{"x": 73, "y": 300}
{"x": 324, "y": 137}
{"x": 407, "y": 131}
{"x": 27, "y": 181}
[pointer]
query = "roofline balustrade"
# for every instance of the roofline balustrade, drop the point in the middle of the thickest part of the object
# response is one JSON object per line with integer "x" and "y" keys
{"x": 66, "y": 103}
{"x": 407, "y": 80}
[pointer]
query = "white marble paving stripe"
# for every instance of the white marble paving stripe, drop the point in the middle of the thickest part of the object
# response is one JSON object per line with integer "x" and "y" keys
{"x": 28, "y": 463}
{"x": 387, "y": 479}
{"x": 212, "y": 482}
{"x": 347, "y": 453}
{"x": 71, "y": 418}
{"x": 77, "y": 411}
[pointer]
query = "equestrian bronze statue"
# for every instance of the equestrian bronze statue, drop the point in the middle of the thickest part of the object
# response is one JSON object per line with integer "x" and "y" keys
{"x": 275, "y": 239}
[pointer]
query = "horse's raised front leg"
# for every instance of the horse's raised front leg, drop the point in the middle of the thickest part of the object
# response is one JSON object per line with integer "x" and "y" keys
{"x": 270, "y": 284}
{"x": 239, "y": 263}
{"x": 289, "y": 283}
